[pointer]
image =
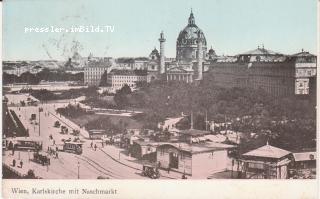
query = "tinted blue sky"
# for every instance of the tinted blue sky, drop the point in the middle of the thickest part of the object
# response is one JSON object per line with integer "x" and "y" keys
{"x": 230, "y": 26}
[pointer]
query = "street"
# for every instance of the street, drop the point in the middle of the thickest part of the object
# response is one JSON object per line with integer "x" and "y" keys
{"x": 92, "y": 163}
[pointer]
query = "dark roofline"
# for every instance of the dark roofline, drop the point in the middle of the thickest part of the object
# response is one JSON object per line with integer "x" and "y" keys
{"x": 129, "y": 72}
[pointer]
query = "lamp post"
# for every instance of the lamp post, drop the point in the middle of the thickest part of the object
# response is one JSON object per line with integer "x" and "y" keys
{"x": 29, "y": 154}
{"x": 40, "y": 109}
{"x": 78, "y": 169}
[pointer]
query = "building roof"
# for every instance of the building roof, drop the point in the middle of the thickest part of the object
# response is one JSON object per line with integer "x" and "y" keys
{"x": 146, "y": 143}
{"x": 304, "y": 156}
{"x": 6, "y": 67}
{"x": 99, "y": 64}
{"x": 260, "y": 51}
{"x": 190, "y": 33}
{"x": 131, "y": 59}
{"x": 125, "y": 60}
{"x": 197, "y": 148}
{"x": 141, "y": 59}
{"x": 33, "y": 138}
{"x": 97, "y": 131}
{"x": 129, "y": 72}
{"x": 194, "y": 132}
{"x": 268, "y": 151}
{"x": 303, "y": 54}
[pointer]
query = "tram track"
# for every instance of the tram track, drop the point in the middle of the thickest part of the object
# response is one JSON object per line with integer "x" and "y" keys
{"x": 97, "y": 166}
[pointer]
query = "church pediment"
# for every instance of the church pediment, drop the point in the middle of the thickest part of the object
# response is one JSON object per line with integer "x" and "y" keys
{"x": 179, "y": 69}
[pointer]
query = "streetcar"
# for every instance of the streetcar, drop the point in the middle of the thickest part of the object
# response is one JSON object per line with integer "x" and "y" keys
{"x": 24, "y": 143}
{"x": 41, "y": 158}
{"x": 150, "y": 171}
{"x": 73, "y": 147}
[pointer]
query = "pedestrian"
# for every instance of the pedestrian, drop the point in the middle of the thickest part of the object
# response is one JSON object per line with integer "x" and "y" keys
{"x": 91, "y": 145}
{"x": 102, "y": 144}
{"x": 95, "y": 147}
{"x": 13, "y": 162}
{"x": 169, "y": 169}
{"x": 57, "y": 155}
{"x": 21, "y": 164}
{"x": 13, "y": 148}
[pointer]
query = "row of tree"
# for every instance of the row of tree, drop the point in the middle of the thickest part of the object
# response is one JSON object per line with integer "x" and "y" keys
{"x": 45, "y": 75}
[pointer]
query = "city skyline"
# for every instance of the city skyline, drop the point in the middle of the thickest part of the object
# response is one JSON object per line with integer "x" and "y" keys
{"x": 136, "y": 36}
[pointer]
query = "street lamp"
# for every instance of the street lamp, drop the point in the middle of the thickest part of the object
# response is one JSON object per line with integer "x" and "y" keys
{"x": 78, "y": 169}
{"x": 29, "y": 154}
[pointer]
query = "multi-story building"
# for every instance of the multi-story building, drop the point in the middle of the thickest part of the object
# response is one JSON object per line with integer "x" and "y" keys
{"x": 18, "y": 68}
{"x": 94, "y": 70}
{"x": 277, "y": 74}
{"x": 305, "y": 72}
{"x": 118, "y": 78}
{"x": 130, "y": 63}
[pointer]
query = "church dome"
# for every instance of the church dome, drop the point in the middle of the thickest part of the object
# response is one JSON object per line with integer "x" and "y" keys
{"x": 191, "y": 33}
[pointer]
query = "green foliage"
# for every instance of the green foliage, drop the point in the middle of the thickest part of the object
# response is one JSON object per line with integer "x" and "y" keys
{"x": 46, "y": 95}
{"x": 121, "y": 96}
{"x": 45, "y": 75}
{"x": 103, "y": 80}
{"x": 71, "y": 111}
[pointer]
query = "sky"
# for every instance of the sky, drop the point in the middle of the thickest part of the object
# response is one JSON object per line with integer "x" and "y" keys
{"x": 230, "y": 26}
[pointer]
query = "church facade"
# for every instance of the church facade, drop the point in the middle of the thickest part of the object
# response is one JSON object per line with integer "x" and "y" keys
{"x": 191, "y": 53}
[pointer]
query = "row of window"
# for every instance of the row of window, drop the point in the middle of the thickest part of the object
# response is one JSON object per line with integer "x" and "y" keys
{"x": 122, "y": 84}
{"x": 129, "y": 77}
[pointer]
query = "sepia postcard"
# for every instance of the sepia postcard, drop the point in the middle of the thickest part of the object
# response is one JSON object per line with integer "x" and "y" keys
{"x": 159, "y": 99}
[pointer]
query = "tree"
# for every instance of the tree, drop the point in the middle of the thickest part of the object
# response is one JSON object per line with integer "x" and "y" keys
{"x": 103, "y": 80}
{"x": 121, "y": 96}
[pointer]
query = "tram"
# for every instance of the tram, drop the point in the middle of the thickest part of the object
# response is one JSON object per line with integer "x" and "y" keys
{"x": 24, "y": 143}
{"x": 73, "y": 147}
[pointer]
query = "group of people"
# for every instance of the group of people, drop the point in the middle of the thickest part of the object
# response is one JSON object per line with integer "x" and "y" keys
{"x": 93, "y": 146}
{"x": 14, "y": 163}
{"x": 51, "y": 150}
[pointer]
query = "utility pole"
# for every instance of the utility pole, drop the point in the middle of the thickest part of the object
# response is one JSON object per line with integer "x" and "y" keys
{"x": 225, "y": 123}
{"x": 191, "y": 120}
{"x": 78, "y": 170}
{"x": 40, "y": 110}
{"x": 39, "y": 122}
{"x": 206, "y": 121}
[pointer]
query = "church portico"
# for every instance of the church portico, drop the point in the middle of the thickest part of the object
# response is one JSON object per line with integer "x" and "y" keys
{"x": 179, "y": 74}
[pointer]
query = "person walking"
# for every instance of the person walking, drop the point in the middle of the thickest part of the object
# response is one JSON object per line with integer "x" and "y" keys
{"x": 95, "y": 147}
{"x": 13, "y": 149}
{"x": 91, "y": 145}
{"x": 21, "y": 164}
{"x": 13, "y": 162}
